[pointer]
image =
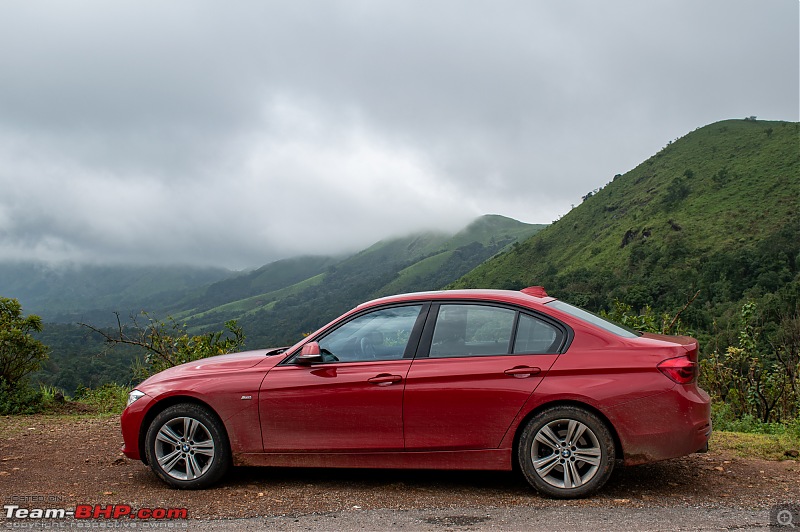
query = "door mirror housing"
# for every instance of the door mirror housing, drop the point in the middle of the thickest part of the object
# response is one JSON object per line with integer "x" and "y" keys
{"x": 310, "y": 354}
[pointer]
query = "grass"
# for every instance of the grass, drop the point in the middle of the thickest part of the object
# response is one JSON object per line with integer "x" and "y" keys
{"x": 25, "y": 400}
{"x": 107, "y": 399}
{"x": 750, "y": 445}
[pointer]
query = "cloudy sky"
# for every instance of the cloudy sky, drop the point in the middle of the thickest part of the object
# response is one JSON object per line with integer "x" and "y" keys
{"x": 234, "y": 133}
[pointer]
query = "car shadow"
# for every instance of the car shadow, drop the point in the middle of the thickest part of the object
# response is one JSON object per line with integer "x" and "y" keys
{"x": 666, "y": 478}
{"x": 373, "y": 478}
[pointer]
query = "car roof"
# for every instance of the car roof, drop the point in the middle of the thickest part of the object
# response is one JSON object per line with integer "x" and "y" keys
{"x": 527, "y": 296}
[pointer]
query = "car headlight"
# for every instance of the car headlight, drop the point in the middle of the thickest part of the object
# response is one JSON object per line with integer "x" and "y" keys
{"x": 133, "y": 396}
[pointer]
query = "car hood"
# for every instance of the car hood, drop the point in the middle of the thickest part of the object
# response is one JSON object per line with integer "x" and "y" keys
{"x": 217, "y": 364}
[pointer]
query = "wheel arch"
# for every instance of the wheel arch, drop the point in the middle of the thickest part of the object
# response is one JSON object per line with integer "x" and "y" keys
{"x": 618, "y": 450}
{"x": 162, "y": 405}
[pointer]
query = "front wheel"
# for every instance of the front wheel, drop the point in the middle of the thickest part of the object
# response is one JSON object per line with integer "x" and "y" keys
{"x": 566, "y": 452}
{"x": 187, "y": 447}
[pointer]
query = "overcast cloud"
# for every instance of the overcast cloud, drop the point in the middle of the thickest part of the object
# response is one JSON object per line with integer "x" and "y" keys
{"x": 235, "y": 133}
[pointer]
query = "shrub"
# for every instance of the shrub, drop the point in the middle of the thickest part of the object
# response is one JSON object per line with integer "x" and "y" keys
{"x": 757, "y": 378}
{"x": 107, "y": 399}
{"x": 19, "y": 399}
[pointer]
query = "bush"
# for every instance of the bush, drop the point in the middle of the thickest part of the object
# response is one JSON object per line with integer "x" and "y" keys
{"x": 757, "y": 379}
{"x": 724, "y": 419}
{"x": 107, "y": 399}
{"x": 19, "y": 399}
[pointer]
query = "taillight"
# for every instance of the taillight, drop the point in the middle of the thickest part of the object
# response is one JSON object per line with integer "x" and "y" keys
{"x": 679, "y": 369}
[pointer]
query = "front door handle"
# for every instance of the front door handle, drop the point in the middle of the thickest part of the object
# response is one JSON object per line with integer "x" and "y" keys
{"x": 521, "y": 372}
{"x": 385, "y": 379}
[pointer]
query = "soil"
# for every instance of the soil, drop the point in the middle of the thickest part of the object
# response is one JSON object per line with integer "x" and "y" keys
{"x": 69, "y": 461}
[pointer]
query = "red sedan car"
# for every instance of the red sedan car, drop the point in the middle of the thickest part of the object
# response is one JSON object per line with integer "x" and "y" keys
{"x": 468, "y": 379}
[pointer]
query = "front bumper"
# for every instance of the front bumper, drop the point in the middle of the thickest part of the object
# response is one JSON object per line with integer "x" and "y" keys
{"x": 131, "y": 425}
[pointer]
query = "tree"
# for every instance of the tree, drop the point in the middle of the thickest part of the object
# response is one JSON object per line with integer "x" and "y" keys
{"x": 167, "y": 344}
{"x": 676, "y": 191}
{"x": 20, "y": 353}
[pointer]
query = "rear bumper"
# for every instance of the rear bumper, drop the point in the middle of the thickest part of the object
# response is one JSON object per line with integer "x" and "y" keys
{"x": 668, "y": 425}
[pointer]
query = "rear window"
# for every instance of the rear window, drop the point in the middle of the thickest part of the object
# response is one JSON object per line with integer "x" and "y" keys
{"x": 594, "y": 319}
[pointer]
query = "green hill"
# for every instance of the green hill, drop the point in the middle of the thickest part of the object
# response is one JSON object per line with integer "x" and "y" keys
{"x": 717, "y": 211}
{"x": 271, "y": 278}
{"x": 70, "y": 293}
{"x": 423, "y": 261}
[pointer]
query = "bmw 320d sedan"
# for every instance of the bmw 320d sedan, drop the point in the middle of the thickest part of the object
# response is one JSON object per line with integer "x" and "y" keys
{"x": 468, "y": 379}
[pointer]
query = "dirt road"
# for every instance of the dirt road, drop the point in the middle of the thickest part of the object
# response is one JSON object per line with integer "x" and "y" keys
{"x": 67, "y": 462}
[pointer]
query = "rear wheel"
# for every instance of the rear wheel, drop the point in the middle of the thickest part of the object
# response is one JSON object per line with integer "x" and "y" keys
{"x": 566, "y": 452}
{"x": 186, "y": 447}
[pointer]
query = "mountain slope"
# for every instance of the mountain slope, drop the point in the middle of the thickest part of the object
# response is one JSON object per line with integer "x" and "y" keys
{"x": 272, "y": 277}
{"x": 716, "y": 211}
{"x": 418, "y": 262}
{"x": 73, "y": 292}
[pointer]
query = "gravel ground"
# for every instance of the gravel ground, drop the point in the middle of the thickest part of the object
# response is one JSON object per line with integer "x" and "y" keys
{"x": 73, "y": 461}
{"x": 515, "y": 518}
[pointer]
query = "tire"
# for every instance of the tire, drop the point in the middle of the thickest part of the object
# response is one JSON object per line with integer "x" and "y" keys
{"x": 187, "y": 447}
{"x": 566, "y": 452}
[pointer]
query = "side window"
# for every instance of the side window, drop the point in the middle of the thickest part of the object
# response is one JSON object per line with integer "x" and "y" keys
{"x": 536, "y": 336}
{"x": 379, "y": 335}
{"x": 466, "y": 330}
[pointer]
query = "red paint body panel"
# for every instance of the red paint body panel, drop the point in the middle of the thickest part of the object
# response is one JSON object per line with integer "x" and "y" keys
{"x": 219, "y": 382}
{"x": 131, "y": 423}
{"x": 447, "y": 413}
{"x": 334, "y": 407}
{"x": 466, "y": 403}
{"x": 648, "y": 428}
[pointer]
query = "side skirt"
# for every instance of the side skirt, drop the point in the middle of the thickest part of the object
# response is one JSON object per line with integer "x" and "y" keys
{"x": 489, "y": 459}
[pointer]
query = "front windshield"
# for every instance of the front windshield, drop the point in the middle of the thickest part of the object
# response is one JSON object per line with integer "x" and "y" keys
{"x": 585, "y": 315}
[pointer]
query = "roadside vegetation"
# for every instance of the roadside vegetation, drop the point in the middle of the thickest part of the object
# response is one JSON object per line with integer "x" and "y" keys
{"x": 162, "y": 344}
{"x": 767, "y": 446}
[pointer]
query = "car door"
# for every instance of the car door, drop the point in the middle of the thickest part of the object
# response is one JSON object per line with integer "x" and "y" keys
{"x": 477, "y": 366}
{"x": 353, "y": 401}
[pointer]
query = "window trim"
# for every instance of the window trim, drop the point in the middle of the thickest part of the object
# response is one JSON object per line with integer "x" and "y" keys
{"x": 426, "y": 338}
{"x": 408, "y": 354}
{"x": 539, "y": 317}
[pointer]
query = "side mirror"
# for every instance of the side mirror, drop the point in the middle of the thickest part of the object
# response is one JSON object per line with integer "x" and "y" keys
{"x": 311, "y": 354}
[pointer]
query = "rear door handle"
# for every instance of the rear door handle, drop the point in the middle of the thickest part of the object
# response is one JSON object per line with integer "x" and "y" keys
{"x": 385, "y": 379}
{"x": 521, "y": 372}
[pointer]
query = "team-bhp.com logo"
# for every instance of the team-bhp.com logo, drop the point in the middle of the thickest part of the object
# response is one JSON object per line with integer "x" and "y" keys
{"x": 94, "y": 511}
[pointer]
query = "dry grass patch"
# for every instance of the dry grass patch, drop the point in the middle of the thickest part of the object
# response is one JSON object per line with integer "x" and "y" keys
{"x": 765, "y": 446}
